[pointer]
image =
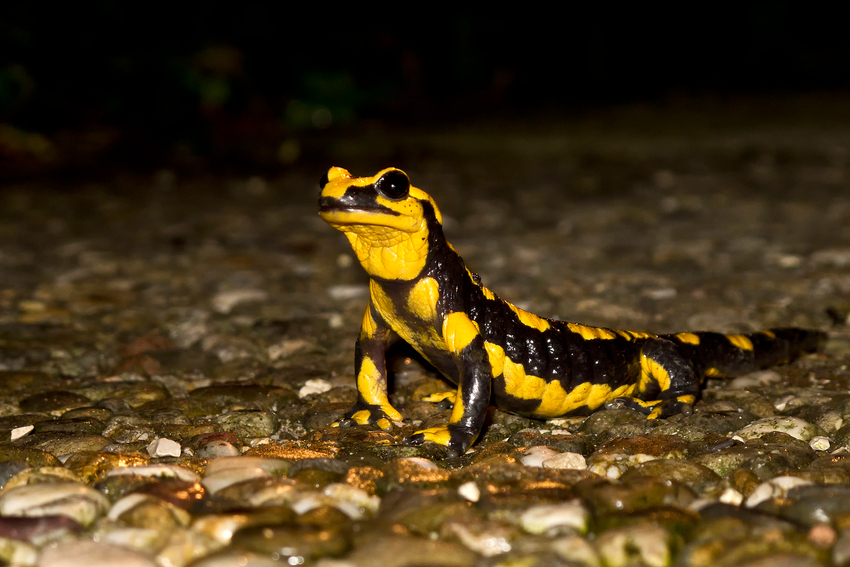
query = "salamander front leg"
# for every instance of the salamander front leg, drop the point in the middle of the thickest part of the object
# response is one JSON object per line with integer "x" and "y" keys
{"x": 473, "y": 393}
{"x": 372, "y": 406}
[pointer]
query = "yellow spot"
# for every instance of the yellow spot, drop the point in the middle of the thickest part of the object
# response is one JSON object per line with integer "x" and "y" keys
{"x": 651, "y": 371}
{"x": 439, "y": 435}
{"x": 522, "y": 385}
{"x": 386, "y": 307}
{"x": 689, "y": 338}
{"x": 687, "y": 399}
{"x": 655, "y": 413}
{"x": 590, "y": 333}
{"x": 488, "y": 294}
{"x": 645, "y": 404}
{"x": 641, "y": 335}
{"x": 439, "y": 397}
{"x": 372, "y": 385}
{"x": 712, "y": 372}
{"x": 422, "y": 300}
{"x": 458, "y": 331}
{"x": 625, "y": 334}
{"x": 529, "y": 319}
{"x": 457, "y": 411}
{"x": 556, "y": 401}
{"x": 740, "y": 341}
{"x": 384, "y": 424}
{"x": 496, "y": 355}
{"x": 362, "y": 417}
{"x": 769, "y": 334}
{"x": 368, "y": 326}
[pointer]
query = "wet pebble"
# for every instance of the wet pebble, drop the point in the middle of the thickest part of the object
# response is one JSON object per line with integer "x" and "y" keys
{"x": 77, "y": 501}
{"x": 542, "y": 518}
{"x": 84, "y": 553}
{"x": 793, "y": 426}
{"x": 248, "y": 423}
{"x": 774, "y": 488}
{"x": 645, "y": 544}
{"x": 158, "y": 471}
{"x": 536, "y": 456}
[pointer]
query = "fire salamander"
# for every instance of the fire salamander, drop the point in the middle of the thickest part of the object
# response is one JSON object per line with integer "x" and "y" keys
{"x": 421, "y": 289}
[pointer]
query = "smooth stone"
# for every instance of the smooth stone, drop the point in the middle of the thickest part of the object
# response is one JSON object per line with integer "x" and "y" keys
{"x": 222, "y": 479}
{"x": 394, "y": 550}
{"x": 793, "y": 426}
{"x": 272, "y": 465}
{"x": 232, "y": 558}
{"x": 93, "y": 466}
{"x": 535, "y": 456}
{"x": 776, "y": 487}
{"x": 143, "y": 540}
{"x": 9, "y": 469}
{"x": 168, "y": 471}
{"x": 295, "y": 543}
{"x": 71, "y": 443}
{"x": 678, "y": 470}
{"x": 181, "y": 493}
{"x": 56, "y": 401}
{"x": 86, "y": 553}
{"x": 488, "y": 538}
{"x": 79, "y": 425}
{"x": 248, "y": 423}
{"x": 76, "y": 501}
{"x": 571, "y": 461}
{"x": 469, "y": 491}
{"x": 221, "y": 527}
{"x": 164, "y": 447}
{"x": 38, "y": 530}
{"x": 644, "y": 544}
{"x": 217, "y": 449}
{"x": 539, "y": 519}
{"x": 28, "y": 455}
{"x": 148, "y": 512}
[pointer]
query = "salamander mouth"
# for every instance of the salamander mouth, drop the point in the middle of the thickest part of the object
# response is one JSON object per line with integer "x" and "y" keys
{"x": 330, "y": 205}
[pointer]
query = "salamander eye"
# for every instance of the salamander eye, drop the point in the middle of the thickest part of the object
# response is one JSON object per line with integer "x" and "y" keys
{"x": 393, "y": 185}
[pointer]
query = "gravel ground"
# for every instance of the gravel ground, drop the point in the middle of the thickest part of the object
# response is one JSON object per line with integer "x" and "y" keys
{"x": 174, "y": 348}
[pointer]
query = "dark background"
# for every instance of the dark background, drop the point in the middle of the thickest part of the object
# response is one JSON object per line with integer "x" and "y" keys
{"x": 265, "y": 87}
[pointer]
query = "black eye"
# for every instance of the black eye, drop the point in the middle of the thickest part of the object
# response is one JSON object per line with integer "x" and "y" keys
{"x": 393, "y": 185}
{"x": 323, "y": 181}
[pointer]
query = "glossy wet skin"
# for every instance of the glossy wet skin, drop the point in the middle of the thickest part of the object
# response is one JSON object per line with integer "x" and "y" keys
{"x": 421, "y": 289}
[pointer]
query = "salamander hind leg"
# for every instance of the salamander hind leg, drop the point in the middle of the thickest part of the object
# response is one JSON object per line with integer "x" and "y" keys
{"x": 667, "y": 384}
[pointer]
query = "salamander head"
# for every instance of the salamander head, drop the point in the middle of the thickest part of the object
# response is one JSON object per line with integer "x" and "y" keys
{"x": 388, "y": 222}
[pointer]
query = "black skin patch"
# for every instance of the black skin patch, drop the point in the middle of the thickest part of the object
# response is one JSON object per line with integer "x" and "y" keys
{"x": 540, "y": 368}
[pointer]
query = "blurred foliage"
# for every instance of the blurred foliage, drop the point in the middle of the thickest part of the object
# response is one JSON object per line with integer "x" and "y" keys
{"x": 248, "y": 83}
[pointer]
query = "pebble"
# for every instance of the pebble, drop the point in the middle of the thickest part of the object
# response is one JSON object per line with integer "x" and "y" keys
{"x": 85, "y": 553}
{"x": 469, "y": 491}
{"x": 77, "y": 501}
{"x": 164, "y": 447}
{"x": 225, "y": 301}
{"x": 315, "y": 386}
{"x": 571, "y": 461}
{"x": 793, "y": 426}
{"x": 488, "y": 540}
{"x": 644, "y": 544}
{"x": 536, "y": 456}
{"x": 158, "y": 471}
{"x": 774, "y": 488}
{"x": 542, "y": 518}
